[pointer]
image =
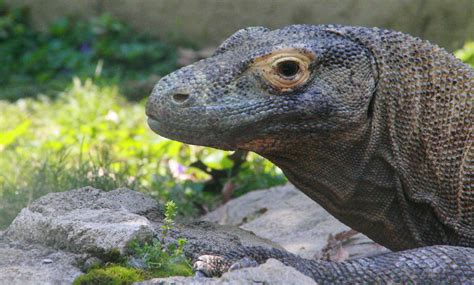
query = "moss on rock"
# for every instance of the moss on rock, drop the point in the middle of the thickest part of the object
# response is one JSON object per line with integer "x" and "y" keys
{"x": 111, "y": 275}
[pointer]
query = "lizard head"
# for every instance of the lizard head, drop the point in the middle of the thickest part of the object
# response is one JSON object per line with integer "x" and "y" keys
{"x": 263, "y": 89}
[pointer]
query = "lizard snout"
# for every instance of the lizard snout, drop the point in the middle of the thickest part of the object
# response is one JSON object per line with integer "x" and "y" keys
{"x": 173, "y": 97}
{"x": 164, "y": 101}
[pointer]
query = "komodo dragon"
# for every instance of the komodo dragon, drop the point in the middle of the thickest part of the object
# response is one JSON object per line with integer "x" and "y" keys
{"x": 372, "y": 124}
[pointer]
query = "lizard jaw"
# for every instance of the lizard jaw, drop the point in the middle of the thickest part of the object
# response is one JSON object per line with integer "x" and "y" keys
{"x": 157, "y": 127}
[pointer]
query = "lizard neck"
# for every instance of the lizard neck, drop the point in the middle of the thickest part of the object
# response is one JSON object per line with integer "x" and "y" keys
{"x": 353, "y": 180}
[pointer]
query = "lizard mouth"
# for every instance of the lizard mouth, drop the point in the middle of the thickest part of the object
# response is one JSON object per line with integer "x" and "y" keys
{"x": 246, "y": 125}
{"x": 161, "y": 129}
{"x": 218, "y": 127}
{"x": 195, "y": 138}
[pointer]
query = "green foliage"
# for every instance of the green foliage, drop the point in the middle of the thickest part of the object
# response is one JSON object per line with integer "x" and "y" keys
{"x": 110, "y": 275}
{"x": 91, "y": 135}
{"x": 466, "y": 54}
{"x": 35, "y": 62}
{"x": 158, "y": 261}
{"x": 25, "y": 178}
{"x": 168, "y": 221}
{"x": 143, "y": 260}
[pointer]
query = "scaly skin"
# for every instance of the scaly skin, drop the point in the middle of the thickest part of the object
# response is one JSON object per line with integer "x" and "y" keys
{"x": 374, "y": 125}
{"x": 427, "y": 265}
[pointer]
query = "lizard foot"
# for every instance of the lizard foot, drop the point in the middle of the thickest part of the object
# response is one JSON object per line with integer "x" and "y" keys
{"x": 214, "y": 265}
{"x": 210, "y": 265}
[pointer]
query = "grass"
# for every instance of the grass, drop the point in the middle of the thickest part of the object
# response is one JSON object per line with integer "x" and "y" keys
{"x": 92, "y": 136}
{"x": 87, "y": 133}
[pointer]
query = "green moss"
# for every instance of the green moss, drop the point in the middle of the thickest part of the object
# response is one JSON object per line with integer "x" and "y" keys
{"x": 175, "y": 268}
{"x": 112, "y": 275}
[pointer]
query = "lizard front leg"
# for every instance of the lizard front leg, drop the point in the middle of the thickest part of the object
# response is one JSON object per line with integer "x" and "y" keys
{"x": 243, "y": 257}
{"x": 433, "y": 265}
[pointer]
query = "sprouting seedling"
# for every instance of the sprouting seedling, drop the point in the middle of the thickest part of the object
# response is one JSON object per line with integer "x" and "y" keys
{"x": 168, "y": 221}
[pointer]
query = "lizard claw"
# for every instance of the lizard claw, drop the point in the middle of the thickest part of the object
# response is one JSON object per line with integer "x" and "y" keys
{"x": 209, "y": 265}
{"x": 214, "y": 265}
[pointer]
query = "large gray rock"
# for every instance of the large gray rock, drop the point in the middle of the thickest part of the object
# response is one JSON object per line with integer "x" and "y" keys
{"x": 271, "y": 272}
{"x": 59, "y": 233}
{"x": 85, "y": 220}
{"x": 289, "y": 218}
{"x": 37, "y": 265}
{"x": 94, "y": 221}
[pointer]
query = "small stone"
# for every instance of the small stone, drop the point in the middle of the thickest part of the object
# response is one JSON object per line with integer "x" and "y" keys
{"x": 47, "y": 261}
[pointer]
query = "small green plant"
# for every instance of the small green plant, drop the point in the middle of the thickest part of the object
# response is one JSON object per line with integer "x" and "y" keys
{"x": 157, "y": 260}
{"x": 144, "y": 260}
{"x": 168, "y": 221}
{"x": 110, "y": 275}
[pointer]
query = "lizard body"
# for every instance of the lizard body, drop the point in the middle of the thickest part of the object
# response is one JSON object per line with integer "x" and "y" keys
{"x": 374, "y": 125}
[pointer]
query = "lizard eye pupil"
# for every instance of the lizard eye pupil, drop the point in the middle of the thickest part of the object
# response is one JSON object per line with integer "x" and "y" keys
{"x": 288, "y": 68}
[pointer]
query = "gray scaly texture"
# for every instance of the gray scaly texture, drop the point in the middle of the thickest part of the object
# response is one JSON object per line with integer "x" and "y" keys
{"x": 373, "y": 124}
{"x": 432, "y": 265}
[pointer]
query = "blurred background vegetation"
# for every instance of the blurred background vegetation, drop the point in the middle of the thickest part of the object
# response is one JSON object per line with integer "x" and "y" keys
{"x": 72, "y": 114}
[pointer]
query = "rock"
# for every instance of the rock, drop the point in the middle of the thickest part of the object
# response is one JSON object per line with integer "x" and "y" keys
{"x": 289, "y": 218}
{"x": 36, "y": 265}
{"x": 50, "y": 241}
{"x": 271, "y": 272}
{"x": 61, "y": 233}
{"x": 89, "y": 220}
{"x": 86, "y": 220}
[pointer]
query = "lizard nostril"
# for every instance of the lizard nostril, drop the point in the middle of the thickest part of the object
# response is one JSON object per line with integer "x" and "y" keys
{"x": 180, "y": 97}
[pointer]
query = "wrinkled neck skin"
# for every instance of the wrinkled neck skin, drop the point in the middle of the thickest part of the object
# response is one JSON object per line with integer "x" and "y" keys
{"x": 353, "y": 180}
{"x": 361, "y": 176}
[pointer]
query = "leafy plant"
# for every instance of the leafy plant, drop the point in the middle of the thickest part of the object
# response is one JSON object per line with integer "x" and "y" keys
{"x": 91, "y": 136}
{"x": 158, "y": 261}
{"x": 101, "y": 47}
{"x": 168, "y": 221}
{"x": 143, "y": 260}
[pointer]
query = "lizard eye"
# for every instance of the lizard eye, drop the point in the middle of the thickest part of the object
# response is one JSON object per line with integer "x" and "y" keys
{"x": 286, "y": 69}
